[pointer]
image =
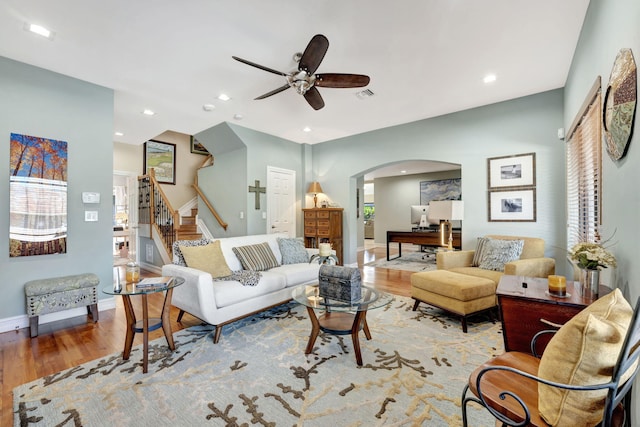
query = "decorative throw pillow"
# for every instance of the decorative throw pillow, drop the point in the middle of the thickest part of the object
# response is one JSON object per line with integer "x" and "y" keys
{"x": 477, "y": 255}
{"x": 178, "y": 259}
{"x": 208, "y": 258}
{"x": 583, "y": 352}
{"x": 292, "y": 250}
{"x": 258, "y": 257}
{"x": 496, "y": 253}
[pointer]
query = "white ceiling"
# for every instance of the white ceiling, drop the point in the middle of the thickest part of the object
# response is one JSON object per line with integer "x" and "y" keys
{"x": 425, "y": 57}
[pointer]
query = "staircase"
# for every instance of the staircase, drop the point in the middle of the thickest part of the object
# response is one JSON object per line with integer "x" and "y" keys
{"x": 188, "y": 229}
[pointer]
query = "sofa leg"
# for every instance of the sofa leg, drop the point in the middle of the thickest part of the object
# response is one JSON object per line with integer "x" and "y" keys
{"x": 464, "y": 324}
{"x": 33, "y": 326}
{"x": 216, "y": 334}
{"x": 180, "y": 316}
{"x": 415, "y": 305}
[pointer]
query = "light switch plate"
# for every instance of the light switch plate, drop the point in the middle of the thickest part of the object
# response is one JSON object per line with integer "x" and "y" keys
{"x": 90, "y": 216}
{"x": 90, "y": 197}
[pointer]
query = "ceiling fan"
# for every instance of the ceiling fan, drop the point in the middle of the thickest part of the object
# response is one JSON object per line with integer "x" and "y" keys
{"x": 304, "y": 80}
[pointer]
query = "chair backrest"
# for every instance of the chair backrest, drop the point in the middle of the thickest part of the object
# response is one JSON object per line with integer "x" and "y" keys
{"x": 533, "y": 246}
{"x": 626, "y": 368}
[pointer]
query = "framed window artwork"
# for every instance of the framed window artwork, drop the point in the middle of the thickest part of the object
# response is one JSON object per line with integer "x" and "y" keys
{"x": 512, "y": 171}
{"x": 512, "y": 205}
{"x": 161, "y": 156}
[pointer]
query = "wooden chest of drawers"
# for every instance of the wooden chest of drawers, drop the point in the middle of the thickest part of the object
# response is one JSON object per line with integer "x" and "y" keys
{"x": 323, "y": 225}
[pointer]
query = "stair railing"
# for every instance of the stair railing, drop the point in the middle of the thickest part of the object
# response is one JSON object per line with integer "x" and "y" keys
{"x": 154, "y": 208}
{"x": 208, "y": 162}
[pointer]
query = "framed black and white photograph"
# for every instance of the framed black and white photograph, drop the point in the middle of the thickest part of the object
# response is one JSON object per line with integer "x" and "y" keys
{"x": 512, "y": 171}
{"x": 512, "y": 205}
{"x": 161, "y": 156}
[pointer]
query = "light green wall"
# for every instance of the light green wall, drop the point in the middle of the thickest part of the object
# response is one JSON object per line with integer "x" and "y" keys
{"x": 41, "y": 103}
{"x": 468, "y": 138}
{"x": 608, "y": 27}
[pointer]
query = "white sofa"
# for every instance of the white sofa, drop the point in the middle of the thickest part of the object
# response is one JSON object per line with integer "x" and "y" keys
{"x": 220, "y": 302}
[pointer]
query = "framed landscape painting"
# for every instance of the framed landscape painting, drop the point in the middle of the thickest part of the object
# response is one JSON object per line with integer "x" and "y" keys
{"x": 512, "y": 171}
{"x": 161, "y": 156}
{"x": 512, "y": 205}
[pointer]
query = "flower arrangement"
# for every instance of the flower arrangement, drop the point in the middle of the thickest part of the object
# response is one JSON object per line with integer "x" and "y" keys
{"x": 592, "y": 256}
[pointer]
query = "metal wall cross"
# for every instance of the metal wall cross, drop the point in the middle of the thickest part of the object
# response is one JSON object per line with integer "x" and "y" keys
{"x": 257, "y": 189}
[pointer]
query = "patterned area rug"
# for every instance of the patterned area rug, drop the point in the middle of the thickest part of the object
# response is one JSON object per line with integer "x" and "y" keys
{"x": 410, "y": 261}
{"x": 414, "y": 371}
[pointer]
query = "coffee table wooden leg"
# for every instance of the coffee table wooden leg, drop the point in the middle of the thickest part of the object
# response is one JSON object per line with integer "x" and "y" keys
{"x": 131, "y": 324}
{"x": 145, "y": 334}
{"x": 357, "y": 321}
{"x": 315, "y": 330}
{"x": 166, "y": 320}
{"x": 365, "y": 326}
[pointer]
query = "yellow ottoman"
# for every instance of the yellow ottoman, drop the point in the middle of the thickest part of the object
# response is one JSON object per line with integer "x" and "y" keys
{"x": 459, "y": 294}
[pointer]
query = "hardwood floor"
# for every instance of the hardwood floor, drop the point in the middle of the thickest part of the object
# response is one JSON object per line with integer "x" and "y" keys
{"x": 67, "y": 343}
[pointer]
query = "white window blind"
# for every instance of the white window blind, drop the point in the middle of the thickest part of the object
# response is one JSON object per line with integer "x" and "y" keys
{"x": 584, "y": 164}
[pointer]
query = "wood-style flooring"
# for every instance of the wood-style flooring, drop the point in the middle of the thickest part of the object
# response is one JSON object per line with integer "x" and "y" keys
{"x": 71, "y": 342}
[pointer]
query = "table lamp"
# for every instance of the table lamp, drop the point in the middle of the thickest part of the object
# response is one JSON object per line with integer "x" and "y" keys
{"x": 315, "y": 188}
{"x": 446, "y": 211}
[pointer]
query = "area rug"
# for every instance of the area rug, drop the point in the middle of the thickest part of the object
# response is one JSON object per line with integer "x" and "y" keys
{"x": 413, "y": 374}
{"x": 410, "y": 261}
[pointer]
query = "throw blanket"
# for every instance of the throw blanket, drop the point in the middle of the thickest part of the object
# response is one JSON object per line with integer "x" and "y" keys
{"x": 245, "y": 277}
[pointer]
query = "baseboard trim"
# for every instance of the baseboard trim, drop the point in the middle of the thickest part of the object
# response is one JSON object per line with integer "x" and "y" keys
{"x": 20, "y": 322}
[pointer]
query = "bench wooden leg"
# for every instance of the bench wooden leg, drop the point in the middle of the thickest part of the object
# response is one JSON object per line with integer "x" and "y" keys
{"x": 33, "y": 326}
{"x": 464, "y": 324}
{"x": 92, "y": 309}
{"x": 415, "y": 305}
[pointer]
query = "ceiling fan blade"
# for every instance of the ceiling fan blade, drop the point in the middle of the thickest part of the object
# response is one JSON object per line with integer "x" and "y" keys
{"x": 273, "y": 92}
{"x": 341, "y": 80}
{"x": 313, "y": 54}
{"x": 313, "y": 98}
{"x": 262, "y": 67}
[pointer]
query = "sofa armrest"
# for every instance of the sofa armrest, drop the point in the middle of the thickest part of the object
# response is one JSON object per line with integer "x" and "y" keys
{"x": 195, "y": 295}
{"x": 531, "y": 267}
{"x": 453, "y": 259}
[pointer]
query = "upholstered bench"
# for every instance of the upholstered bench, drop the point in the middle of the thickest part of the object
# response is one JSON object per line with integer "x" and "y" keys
{"x": 61, "y": 293}
{"x": 459, "y": 294}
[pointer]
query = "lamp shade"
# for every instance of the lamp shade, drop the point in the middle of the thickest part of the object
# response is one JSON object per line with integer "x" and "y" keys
{"x": 446, "y": 209}
{"x": 315, "y": 188}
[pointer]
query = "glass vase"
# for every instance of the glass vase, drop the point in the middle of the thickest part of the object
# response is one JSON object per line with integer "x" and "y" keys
{"x": 590, "y": 283}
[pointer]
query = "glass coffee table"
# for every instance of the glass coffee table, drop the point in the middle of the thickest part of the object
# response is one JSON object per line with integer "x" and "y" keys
{"x": 147, "y": 324}
{"x": 338, "y": 317}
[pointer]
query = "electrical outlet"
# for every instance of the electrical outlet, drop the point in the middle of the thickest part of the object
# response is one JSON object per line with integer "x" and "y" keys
{"x": 149, "y": 257}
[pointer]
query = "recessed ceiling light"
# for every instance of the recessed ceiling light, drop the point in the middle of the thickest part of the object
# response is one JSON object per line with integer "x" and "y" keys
{"x": 238, "y": 116}
{"x": 489, "y": 78}
{"x": 306, "y": 129}
{"x": 119, "y": 134}
{"x": 148, "y": 112}
{"x": 403, "y": 171}
{"x": 39, "y": 30}
{"x": 208, "y": 107}
{"x": 223, "y": 97}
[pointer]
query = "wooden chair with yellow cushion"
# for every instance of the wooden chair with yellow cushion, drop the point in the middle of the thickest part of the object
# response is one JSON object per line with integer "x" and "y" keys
{"x": 584, "y": 377}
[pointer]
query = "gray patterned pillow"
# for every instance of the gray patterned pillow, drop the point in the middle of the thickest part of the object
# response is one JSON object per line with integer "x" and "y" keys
{"x": 292, "y": 250}
{"x": 496, "y": 253}
{"x": 178, "y": 259}
{"x": 257, "y": 257}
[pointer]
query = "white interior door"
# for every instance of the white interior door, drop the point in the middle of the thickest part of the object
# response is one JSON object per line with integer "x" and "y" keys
{"x": 281, "y": 201}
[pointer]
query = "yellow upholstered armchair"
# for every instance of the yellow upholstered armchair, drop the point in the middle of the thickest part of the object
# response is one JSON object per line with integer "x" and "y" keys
{"x": 584, "y": 377}
{"x": 532, "y": 262}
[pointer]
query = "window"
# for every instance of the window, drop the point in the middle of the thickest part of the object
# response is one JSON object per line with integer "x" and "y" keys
{"x": 584, "y": 164}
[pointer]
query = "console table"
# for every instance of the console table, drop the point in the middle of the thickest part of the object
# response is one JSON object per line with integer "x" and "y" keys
{"x": 422, "y": 238}
{"x": 525, "y": 311}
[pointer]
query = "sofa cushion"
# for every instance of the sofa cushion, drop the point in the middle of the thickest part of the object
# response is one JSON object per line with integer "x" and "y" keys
{"x": 293, "y": 250}
{"x": 496, "y": 253}
{"x": 479, "y": 272}
{"x": 258, "y": 257}
{"x": 583, "y": 352}
{"x": 206, "y": 258}
{"x": 178, "y": 259}
{"x": 298, "y": 274}
{"x": 228, "y": 293}
{"x": 477, "y": 255}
